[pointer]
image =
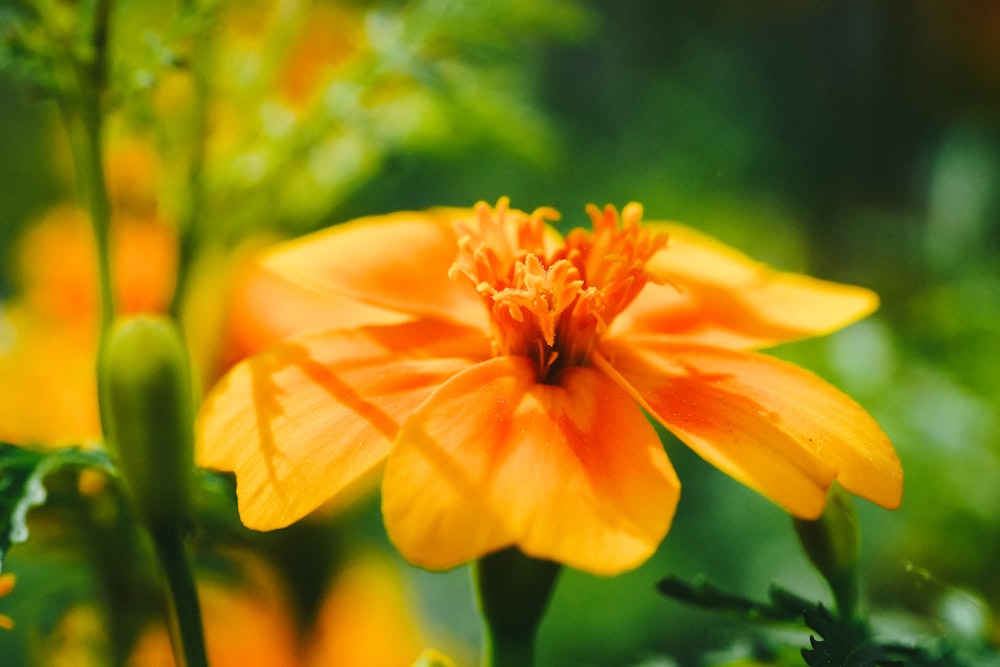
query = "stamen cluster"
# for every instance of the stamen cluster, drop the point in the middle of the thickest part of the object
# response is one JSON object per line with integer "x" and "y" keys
{"x": 550, "y": 299}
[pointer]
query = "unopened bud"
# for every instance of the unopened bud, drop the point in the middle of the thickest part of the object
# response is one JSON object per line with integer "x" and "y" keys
{"x": 148, "y": 410}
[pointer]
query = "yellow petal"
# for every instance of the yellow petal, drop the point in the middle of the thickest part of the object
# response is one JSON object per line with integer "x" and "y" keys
{"x": 308, "y": 418}
{"x": 398, "y": 261}
{"x": 713, "y": 294}
{"x": 571, "y": 472}
{"x": 773, "y": 426}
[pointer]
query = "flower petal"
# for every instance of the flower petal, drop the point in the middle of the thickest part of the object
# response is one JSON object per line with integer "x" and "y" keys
{"x": 571, "y": 472}
{"x": 713, "y": 294}
{"x": 773, "y": 426}
{"x": 398, "y": 261}
{"x": 266, "y": 308}
{"x": 306, "y": 419}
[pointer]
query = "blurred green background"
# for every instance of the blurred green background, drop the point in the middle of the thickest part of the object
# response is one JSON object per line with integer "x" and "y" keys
{"x": 857, "y": 141}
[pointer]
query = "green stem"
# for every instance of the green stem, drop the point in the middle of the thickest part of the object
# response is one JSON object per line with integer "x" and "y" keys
{"x": 844, "y": 586}
{"x": 82, "y": 114}
{"x": 96, "y": 192}
{"x": 513, "y": 593}
{"x": 189, "y": 227}
{"x": 832, "y": 543}
{"x": 184, "y": 613}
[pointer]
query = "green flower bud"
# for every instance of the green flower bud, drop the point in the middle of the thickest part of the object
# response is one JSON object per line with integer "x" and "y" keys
{"x": 832, "y": 543}
{"x": 148, "y": 413}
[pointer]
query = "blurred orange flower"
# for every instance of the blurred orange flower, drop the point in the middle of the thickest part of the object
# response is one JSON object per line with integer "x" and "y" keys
{"x": 364, "y": 619}
{"x": 246, "y": 624}
{"x": 48, "y": 333}
{"x": 508, "y": 407}
{"x": 7, "y": 581}
{"x": 49, "y": 329}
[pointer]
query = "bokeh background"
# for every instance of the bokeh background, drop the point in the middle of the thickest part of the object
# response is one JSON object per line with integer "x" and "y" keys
{"x": 856, "y": 140}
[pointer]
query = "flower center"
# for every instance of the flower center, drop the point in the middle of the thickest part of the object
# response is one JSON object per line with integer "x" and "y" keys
{"x": 550, "y": 299}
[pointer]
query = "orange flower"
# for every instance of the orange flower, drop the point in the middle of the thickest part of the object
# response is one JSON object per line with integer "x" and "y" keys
{"x": 7, "y": 581}
{"x": 365, "y": 619}
{"x": 508, "y": 407}
{"x": 246, "y": 625}
{"x": 48, "y": 333}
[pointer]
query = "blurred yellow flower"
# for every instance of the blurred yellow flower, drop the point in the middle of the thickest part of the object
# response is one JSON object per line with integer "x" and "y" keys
{"x": 508, "y": 408}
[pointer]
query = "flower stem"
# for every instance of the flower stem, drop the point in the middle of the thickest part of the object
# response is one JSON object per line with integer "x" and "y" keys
{"x": 82, "y": 113}
{"x": 513, "y": 592}
{"x": 184, "y": 613}
{"x": 189, "y": 226}
{"x": 832, "y": 543}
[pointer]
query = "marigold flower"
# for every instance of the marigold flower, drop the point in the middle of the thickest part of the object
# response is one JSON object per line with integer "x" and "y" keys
{"x": 508, "y": 407}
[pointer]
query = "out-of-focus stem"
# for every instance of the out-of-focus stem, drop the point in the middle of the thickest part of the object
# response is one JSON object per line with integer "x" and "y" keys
{"x": 190, "y": 227}
{"x": 83, "y": 114}
{"x": 184, "y": 612}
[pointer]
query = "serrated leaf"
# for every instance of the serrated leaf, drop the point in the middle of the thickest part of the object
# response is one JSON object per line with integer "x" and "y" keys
{"x": 835, "y": 641}
{"x": 707, "y": 595}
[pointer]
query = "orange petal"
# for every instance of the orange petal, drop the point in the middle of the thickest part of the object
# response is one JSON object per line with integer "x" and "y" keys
{"x": 775, "y": 427}
{"x": 301, "y": 422}
{"x": 266, "y": 308}
{"x": 570, "y": 472}
{"x": 398, "y": 261}
{"x": 713, "y": 294}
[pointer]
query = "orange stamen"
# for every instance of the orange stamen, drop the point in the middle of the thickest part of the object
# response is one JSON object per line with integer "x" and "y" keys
{"x": 551, "y": 305}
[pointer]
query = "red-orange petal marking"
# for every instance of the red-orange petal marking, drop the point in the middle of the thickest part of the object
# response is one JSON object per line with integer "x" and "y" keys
{"x": 775, "y": 427}
{"x": 398, "y": 261}
{"x": 571, "y": 472}
{"x": 713, "y": 294}
{"x": 308, "y": 418}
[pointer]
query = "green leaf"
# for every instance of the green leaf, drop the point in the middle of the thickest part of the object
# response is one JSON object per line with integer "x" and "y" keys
{"x": 849, "y": 642}
{"x": 842, "y": 643}
{"x": 835, "y": 641}
{"x": 784, "y": 607}
{"x": 22, "y": 485}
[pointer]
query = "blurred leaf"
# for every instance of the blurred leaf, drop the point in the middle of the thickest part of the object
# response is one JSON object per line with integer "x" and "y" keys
{"x": 783, "y": 606}
{"x": 22, "y": 485}
{"x": 842, "y": 643}
{"x": 24, "y": 52}
{"x": 846, "y": 642}
{"x": 16, "y": 468}
{"x": 836, "y": 642}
